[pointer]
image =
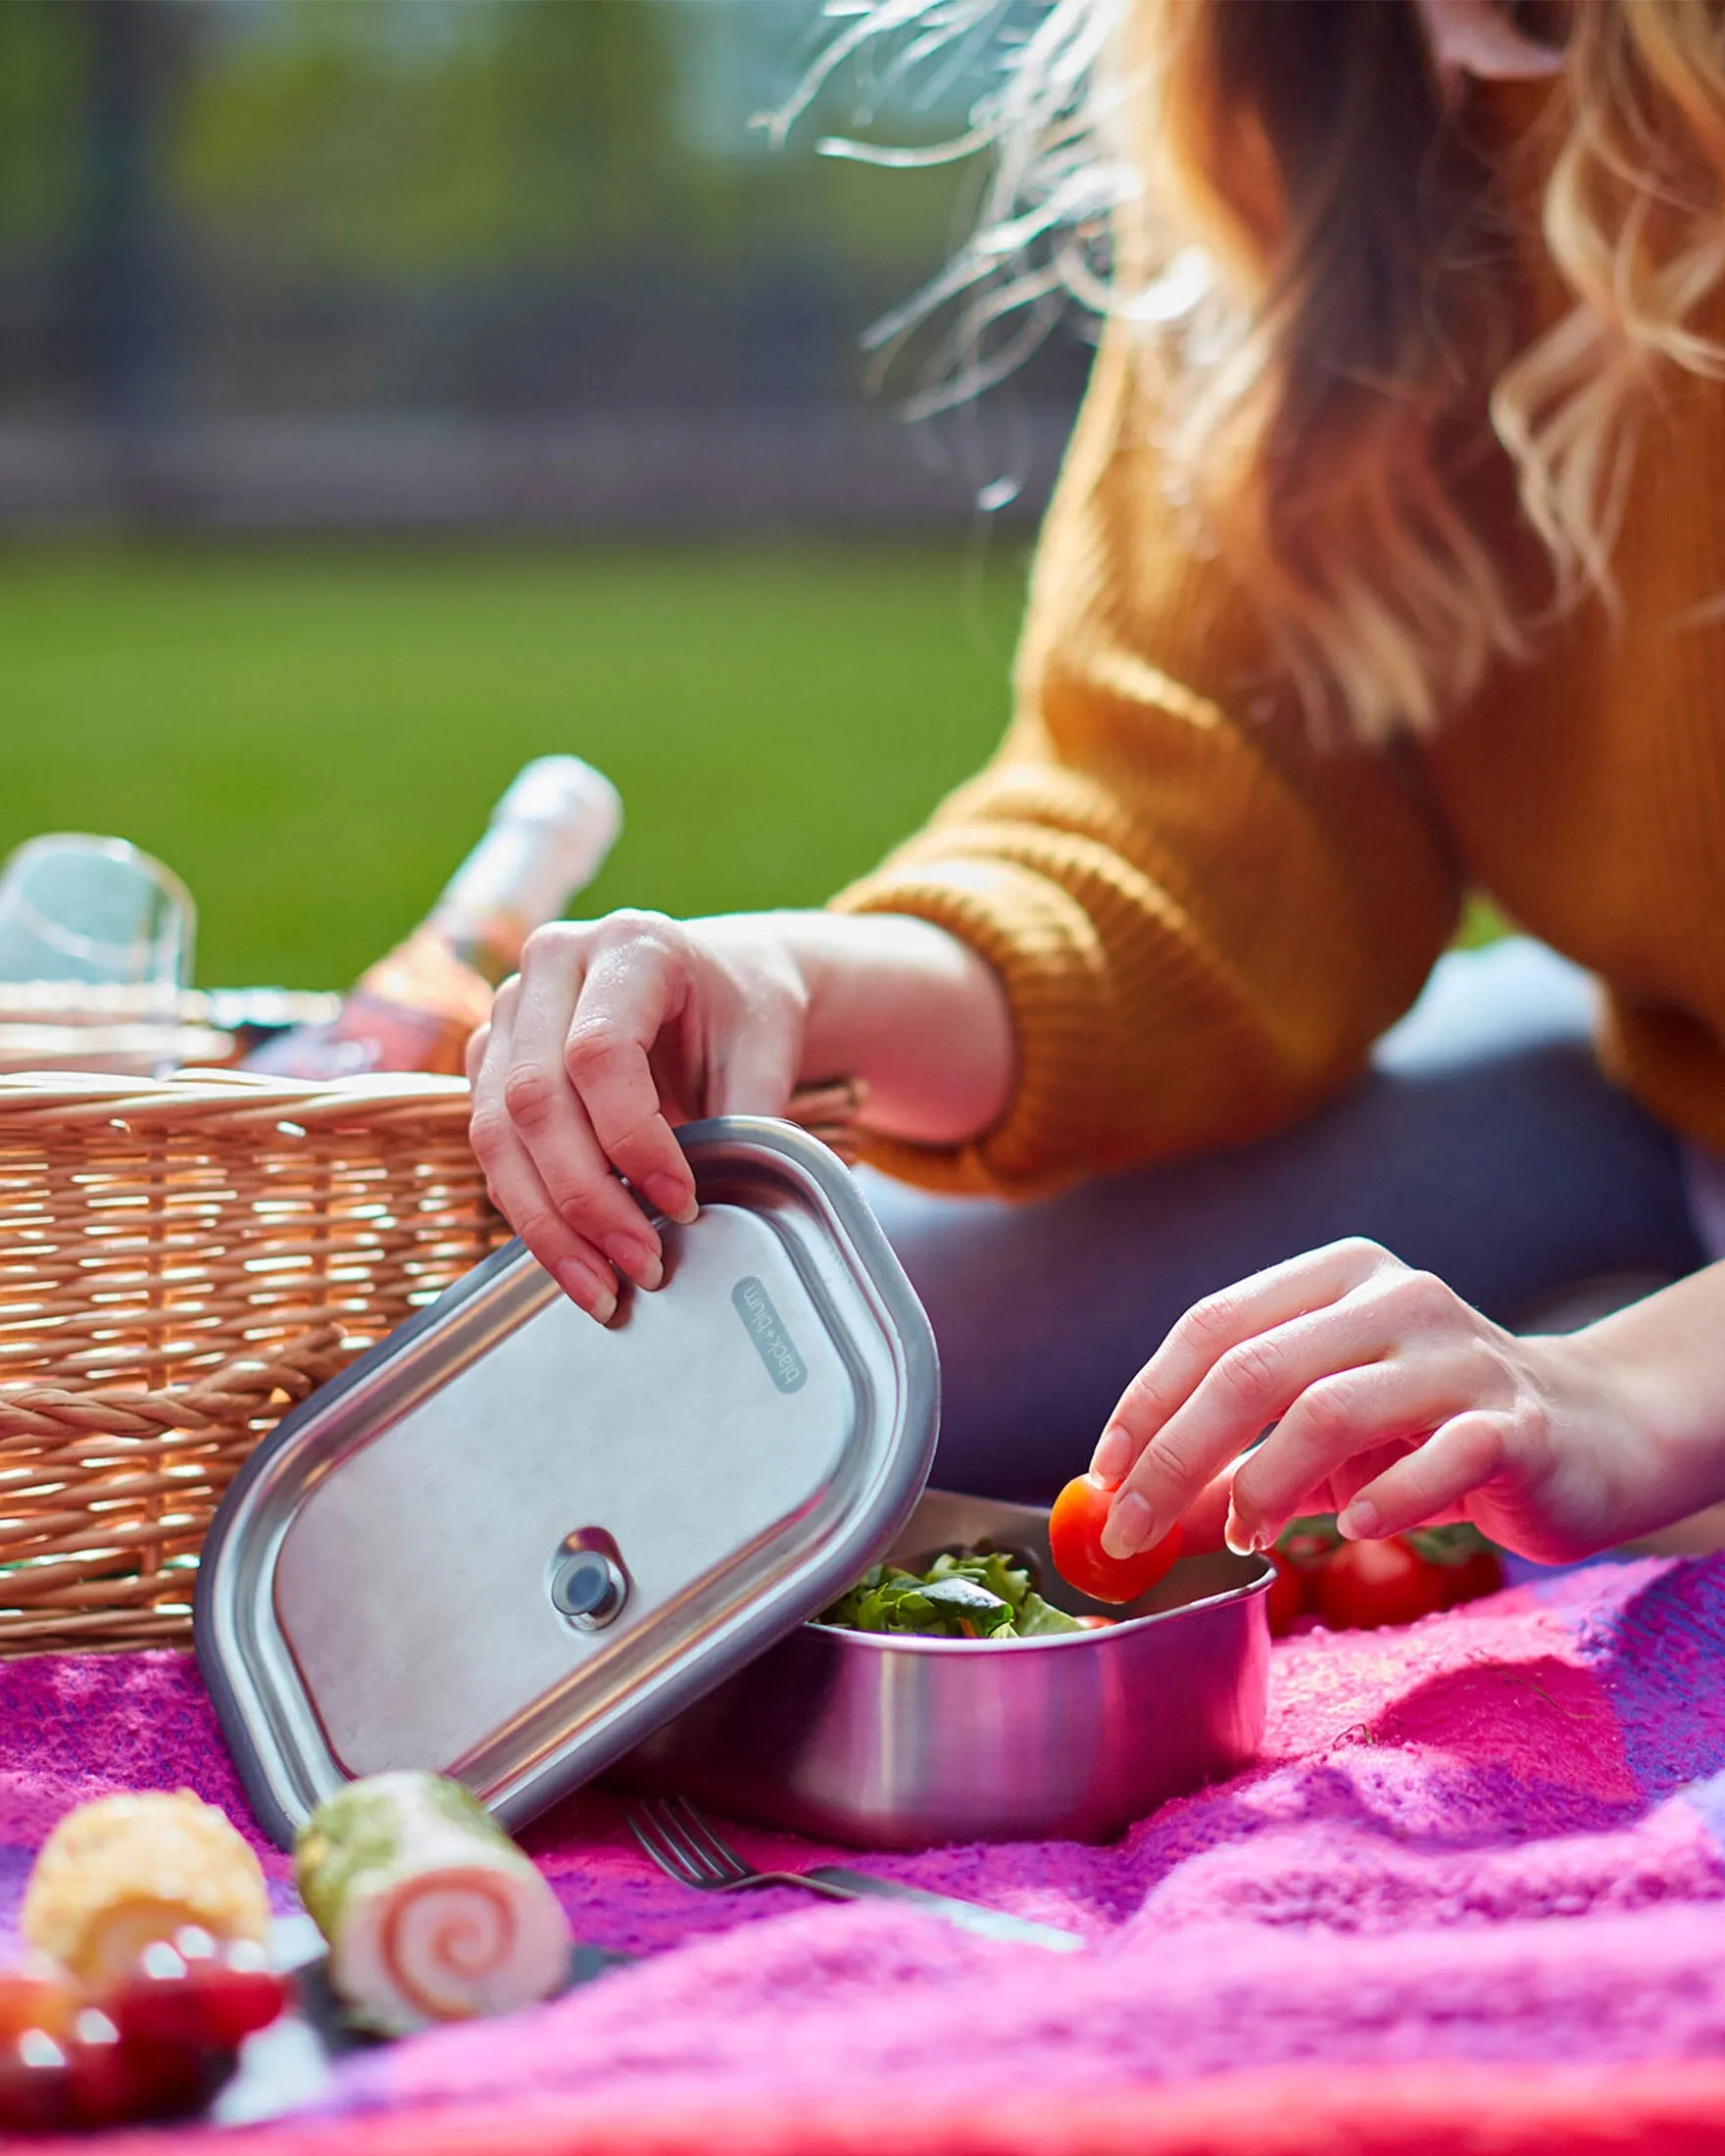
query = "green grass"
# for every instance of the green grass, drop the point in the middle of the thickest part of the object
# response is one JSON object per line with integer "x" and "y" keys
{"x": 313, "y": 738}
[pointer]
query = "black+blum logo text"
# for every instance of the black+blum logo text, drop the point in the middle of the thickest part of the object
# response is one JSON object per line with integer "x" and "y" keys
{"x": 753, "y": 1305}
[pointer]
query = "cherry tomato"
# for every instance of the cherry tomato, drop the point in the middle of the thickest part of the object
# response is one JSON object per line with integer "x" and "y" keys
{"x": 196, "y": 1995}
{"x": 166, "y": 2035}
{"x": 36, "y": 2083}
{"x": 1366, "y": 1585}
{"x": 238, "y": 1991}
{"x": 1308, "y": 1543}
{"x": 37, "y": 1998}
{"x": 1470, "y": 1566}
{"x": 1074, "y": 1539}
{"x": 156, "y": 2004}
{"x": 1286, "y": 1598}
{"x": 126, "y": 2078}
{"x": 109, "y": 2079}
{"x": 1480, "y": 1572}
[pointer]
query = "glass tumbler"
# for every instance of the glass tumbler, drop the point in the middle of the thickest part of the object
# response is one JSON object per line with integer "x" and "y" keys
{"x": 96, "y": 942}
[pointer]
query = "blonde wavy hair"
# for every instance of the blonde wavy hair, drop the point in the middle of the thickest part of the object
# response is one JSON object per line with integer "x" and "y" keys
{"x": 1320, "y": 268}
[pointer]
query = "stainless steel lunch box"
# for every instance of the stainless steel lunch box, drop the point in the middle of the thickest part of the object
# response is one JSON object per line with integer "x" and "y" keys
{"x": 514, "y": 1546}
{"x": 508, "y": 1543}
{"x": 895, "y": 1742}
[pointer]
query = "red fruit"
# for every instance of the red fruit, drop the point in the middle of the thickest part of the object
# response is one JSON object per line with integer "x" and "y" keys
{"x": 1286, "y": 1598}
{"x": 40, "y": 1997}
{"x": 1480, "y": 1572}
{"x": 36, "y": 2083}
{"x": 114, "y": 2080}
{"x": 184, "y": 2012}
{"x": 157, "y": 2005}
{"x": 239, "y": 2001}
{"x": 104, "y": 2087}
{"x": 1470, "y": 1566}
{"x": 236, "y": 1991}
{"x": 1366, "y": 1585}
{"x": 171, "y": 2080}
{"x": 1075, "y": 1537}
{"x": 1308, "y": 1543}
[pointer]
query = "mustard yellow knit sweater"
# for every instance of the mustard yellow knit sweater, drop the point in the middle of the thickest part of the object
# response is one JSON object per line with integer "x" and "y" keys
{"x": 1203, "y": 919}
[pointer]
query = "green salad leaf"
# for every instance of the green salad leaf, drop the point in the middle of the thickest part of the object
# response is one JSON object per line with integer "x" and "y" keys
{"x": 978, "y": 1593}
{"x": 1037, "y": 1619}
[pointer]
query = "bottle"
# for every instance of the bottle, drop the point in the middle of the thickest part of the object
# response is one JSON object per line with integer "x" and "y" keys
{"x": 415, "y": 1008}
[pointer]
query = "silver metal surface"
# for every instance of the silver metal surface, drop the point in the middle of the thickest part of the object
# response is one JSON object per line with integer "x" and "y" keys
{"x": 889, "y": 1741}
{"x": 685, "y": 1845}
{"x": 382, "y": 1587}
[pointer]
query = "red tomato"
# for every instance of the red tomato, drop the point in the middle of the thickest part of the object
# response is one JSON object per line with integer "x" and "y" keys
{"x": 197, "y": 1994}
{"x": 1366, "y": 1585}
{"x": 165, "y": 2036}
{"x": 1074, "y": 1541}
{"x": 36, "y": 2083}
{"x": 117, "y": 2077}
{"x": 36, "y": 1997}
{"x": 105, "y": 2086}
{"x": 1308, "y": 1544}
{"x": 1479, "y": 1573}
{"x": 1287, "y": 1596}
{"x": 1471, "y": 1567}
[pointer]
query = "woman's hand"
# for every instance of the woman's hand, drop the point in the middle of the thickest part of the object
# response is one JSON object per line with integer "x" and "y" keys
{"x": 612, "y": 1032}
{"x": 1391, "y": 1402}
{"x": 615, "y": 1031}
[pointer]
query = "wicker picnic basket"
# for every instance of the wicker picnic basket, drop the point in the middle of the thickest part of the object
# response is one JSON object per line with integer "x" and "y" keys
{"x": 182, "y": 1261}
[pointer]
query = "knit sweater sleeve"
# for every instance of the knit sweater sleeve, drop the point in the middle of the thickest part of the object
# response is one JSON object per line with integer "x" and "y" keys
{"x": 1202, "y": 916}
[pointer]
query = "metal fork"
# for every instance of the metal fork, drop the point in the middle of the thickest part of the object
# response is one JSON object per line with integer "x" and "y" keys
{"x": 680, "y": 1843}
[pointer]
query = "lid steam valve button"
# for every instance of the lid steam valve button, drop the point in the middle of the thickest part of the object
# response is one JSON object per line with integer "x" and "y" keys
{"x": 589, "y": 1588}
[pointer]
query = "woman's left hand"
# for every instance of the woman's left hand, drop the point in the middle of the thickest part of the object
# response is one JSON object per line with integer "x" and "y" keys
{"x": 1393, "y": 1402}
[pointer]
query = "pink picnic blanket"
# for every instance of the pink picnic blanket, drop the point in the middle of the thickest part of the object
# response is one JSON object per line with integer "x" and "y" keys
{"x": 1473, "y": 1894}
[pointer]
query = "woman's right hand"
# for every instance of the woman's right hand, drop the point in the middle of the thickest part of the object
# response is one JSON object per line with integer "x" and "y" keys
{"x": 613, "y": 1032}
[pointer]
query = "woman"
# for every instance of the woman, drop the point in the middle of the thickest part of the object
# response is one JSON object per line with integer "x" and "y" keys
{"x": 1387, "y": 562}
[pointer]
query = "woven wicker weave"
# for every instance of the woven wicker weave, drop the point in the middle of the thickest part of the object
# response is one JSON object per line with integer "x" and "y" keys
{"x": 181, "y": 1260}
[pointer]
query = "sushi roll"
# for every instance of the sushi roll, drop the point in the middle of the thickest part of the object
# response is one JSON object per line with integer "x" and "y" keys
{"x": 118, "y": 1875}
{"x": 431, "y": 1912}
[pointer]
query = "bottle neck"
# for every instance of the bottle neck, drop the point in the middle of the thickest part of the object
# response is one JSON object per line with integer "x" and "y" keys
{"x": 491, "y": 948}
{"x": 513, "y": 879}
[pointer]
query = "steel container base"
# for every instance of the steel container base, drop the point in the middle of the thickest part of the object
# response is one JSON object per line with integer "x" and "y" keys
{"x": 889, "y": 1741}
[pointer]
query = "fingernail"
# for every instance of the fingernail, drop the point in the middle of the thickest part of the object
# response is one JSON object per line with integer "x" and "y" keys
{"x": 677, "y": 1201}
{"x": 1129, "y": 1526}
{"x": 1111, "y": 1458}
{"x": 1361, "y": 1522}
{"x": 638, "y": 1261}
{"x": 1238, "y": 1538}
{"x": 585, "y": 1285}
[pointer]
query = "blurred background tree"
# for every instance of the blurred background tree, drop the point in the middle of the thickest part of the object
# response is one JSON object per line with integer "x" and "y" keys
{"x": 228, "y": 208}
{"x": 391, "y": 390}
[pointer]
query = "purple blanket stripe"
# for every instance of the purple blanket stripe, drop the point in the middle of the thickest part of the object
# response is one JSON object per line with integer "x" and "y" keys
{"x": 1498, "y": 1835}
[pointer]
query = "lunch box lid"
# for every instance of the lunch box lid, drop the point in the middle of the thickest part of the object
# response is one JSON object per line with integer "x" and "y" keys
{"x": 508, "y": 1544}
